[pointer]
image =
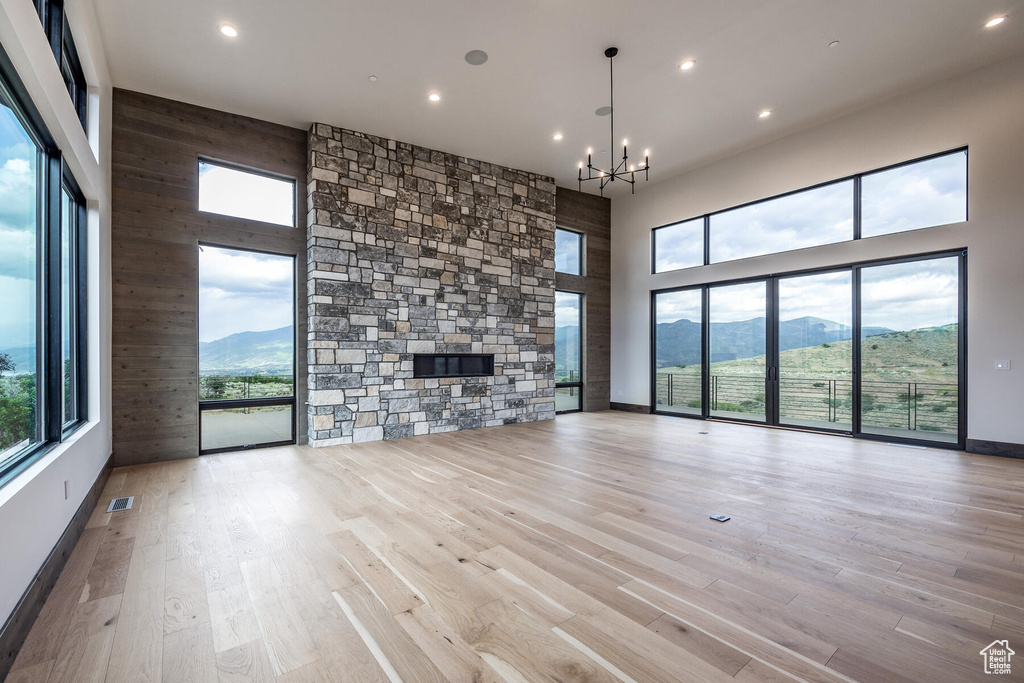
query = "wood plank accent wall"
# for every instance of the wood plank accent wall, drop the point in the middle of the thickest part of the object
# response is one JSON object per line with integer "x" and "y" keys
{"x": 156, "y": 229}
{"x": 592, "y": 216}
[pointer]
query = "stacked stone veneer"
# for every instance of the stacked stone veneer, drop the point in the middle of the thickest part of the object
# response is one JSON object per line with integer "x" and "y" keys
{"x": 411, "y": 251}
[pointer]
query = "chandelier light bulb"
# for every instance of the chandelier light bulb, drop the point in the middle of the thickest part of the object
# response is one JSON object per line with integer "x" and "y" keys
{"x": 647, "y": 152}
{"x": 624, "y": 142}
{"x": 581, "y": 164}
{"x": 995, "y": 22}
{"x": 632, "y": 167}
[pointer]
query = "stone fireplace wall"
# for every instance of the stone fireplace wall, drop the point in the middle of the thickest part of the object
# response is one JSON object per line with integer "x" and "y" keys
{"x": 412, "y": 250}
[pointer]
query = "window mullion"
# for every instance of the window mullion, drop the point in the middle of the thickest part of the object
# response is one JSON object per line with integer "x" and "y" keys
{"x": 52, "y": 372}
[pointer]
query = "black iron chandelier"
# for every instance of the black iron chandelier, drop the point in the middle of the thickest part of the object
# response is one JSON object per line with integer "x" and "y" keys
{"x": 624, "y": 171}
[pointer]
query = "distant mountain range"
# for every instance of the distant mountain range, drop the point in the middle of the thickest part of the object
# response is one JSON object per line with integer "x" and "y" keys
{"x": 270, "y": 352}
{"x": 679, "y": 341}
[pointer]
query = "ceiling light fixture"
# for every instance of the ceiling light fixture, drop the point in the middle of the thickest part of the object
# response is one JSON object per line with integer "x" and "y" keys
{"x": 765, "y": 114}
{"x": 557, "y": 136}
{"x": 623, "y": 171}
{"x": 229, "y": 30}
{"x": 995, "y": 22}
{"x": 687, "y": 65}
{"x": 834, "y": 43}
{"x": 372, "y": 79}
{"x": 434, "y": 97}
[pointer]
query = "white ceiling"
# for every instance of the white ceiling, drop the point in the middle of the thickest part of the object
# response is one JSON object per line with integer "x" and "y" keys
{"x": 299, "y": 61}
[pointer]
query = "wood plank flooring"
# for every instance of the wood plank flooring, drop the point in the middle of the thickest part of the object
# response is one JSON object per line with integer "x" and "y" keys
{"x": 572, "y": 550}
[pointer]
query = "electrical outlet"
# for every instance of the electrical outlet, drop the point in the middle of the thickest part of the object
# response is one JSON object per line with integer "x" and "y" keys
{"x": 1002, "y": 365}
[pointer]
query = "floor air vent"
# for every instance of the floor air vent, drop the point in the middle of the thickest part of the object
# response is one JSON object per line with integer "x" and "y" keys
{"x": 118, "y": 504}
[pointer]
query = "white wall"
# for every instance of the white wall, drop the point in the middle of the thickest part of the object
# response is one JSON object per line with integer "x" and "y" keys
{"x": 984, "y": 110}
{"x": 33, "y": 510}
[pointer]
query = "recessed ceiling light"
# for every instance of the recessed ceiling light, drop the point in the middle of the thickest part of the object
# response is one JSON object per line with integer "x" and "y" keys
{"x": 434, "y": 97}
{"x": 373, "y": 79}
{"x": 228, "y": 30}
{"x": 476, "y": 57}
{"x": 834, "y": 43}
{"x": 557, "y": 136}
{"x": 687, "y": 65}
{"x": 765, "y": 114}
{"x": 995, "y": 21}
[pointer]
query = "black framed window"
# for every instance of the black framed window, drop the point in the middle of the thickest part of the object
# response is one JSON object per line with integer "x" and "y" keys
{"x": 916, "y": 194}
{"x": 246, "y": 349}
{"x": 568, "y": 352}
{"x": 42, "y": 277}
{"x": 242, "y": 193}
{"x": 62, "y": 43}
{"x": 568, "y": 252}
{"x": 876, "y": 349}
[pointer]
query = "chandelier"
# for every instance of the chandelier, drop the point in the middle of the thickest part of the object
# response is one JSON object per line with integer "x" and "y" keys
{"x": 624, "y": 171}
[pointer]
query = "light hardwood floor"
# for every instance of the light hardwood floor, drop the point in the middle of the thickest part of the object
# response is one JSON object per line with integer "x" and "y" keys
{"x": 573, "y": 550}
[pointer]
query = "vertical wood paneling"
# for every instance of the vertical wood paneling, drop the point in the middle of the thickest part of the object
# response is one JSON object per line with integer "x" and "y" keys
{"x": 592, "y": 216}
{"x": 156, "y": 227}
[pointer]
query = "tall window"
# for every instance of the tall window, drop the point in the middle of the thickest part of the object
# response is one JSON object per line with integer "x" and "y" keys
{"x": 243, "y": 194}
{"x": 568, "y": 252}
{"x": 21, "y": 184}
{"x": 42, "y": 275}
{"x": 568, "y": 352}
{"x": 246, "y": 349}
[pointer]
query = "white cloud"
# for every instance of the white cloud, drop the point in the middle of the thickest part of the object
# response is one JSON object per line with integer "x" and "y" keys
{"x": 679, "y": 246}
{"x": 567, "y": 309}
{"x": 828, "y": 296}
{"x": 820, "y": 216}
{"x": 18, "y": 312}
{"x": 909, "y": 296}
{"x": 243, "y": 291}
{"x": 932, "y": 192}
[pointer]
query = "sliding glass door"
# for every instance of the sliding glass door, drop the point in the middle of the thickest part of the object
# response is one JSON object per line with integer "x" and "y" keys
{"x": 737, "y": 340}
{"x": 910, "y": 349}
{"x": 246, "y": 349}
{"x": 678, "y": 352}
{"x": 815, "y": 332}
{"x": 873, "y": 349}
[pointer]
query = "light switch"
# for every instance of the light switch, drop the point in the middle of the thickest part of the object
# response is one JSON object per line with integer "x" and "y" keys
{"x": 1002, "y": 365}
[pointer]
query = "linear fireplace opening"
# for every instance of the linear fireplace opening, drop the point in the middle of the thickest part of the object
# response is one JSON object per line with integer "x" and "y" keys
{"x": 452, "y": 365}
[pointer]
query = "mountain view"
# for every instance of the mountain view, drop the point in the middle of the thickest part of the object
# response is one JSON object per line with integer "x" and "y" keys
{"x": 270, "y": 352}
{"x": 679, "y": 341}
